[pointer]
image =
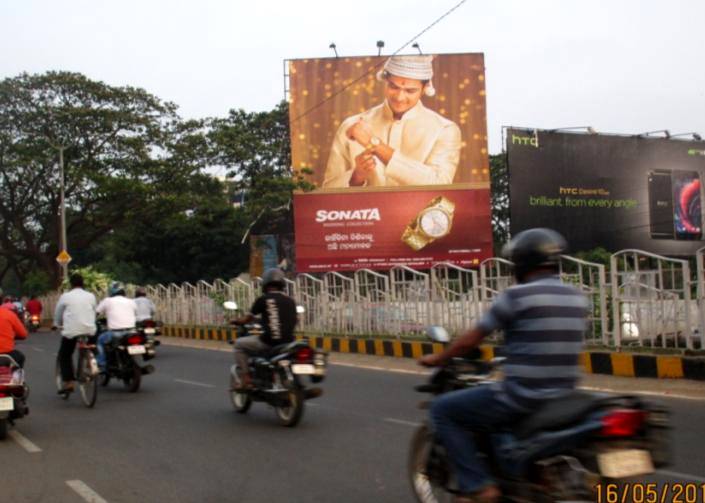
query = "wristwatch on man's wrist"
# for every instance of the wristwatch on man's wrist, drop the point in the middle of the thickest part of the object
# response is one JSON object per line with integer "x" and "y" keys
{"x": 432, "y": 222}
{"x": 374, "y": 142}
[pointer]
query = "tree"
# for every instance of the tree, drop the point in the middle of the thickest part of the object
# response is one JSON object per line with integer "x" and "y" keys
{"x": 499, "y": 195}
{"x": 126, "y": 152}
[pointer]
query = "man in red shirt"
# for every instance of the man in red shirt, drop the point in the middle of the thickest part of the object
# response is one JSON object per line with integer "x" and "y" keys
{"x": 34, "y": 306}
{"x": 10, "y": 329}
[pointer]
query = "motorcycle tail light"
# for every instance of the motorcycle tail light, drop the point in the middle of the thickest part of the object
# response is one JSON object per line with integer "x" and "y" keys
{"x": 134, "y": 339}
{"x": 623, "y": 423}
{"x": 304, "y": 355}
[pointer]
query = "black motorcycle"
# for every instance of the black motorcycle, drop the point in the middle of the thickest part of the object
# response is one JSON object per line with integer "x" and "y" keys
{"x": 278, "y": 376}
{"x": 121, "y": 359}
{"x": 562, "y": 452}
{"x": 13, "y": 393}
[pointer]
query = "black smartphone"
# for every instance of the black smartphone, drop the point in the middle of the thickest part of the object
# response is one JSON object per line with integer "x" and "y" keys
{"x": 687, "y": 209}
{"x": 661, "y": 204}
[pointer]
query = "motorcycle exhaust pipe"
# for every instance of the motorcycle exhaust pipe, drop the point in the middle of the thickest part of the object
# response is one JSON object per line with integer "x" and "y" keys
{"x": 147, "y": 369}
{"x": 310, "y": 393}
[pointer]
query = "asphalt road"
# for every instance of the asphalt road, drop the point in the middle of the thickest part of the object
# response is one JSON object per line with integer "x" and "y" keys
{"x": 178, "y": 439}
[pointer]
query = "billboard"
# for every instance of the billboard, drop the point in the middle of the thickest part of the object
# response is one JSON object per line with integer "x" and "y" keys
{"x": 612, "y": 191}
{"x": 403, "y": 139}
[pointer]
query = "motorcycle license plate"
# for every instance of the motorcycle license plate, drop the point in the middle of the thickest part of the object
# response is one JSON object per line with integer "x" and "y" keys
{"x": 625, "y": 463}
{"x": 7, "y": 403}
{"x": 136, "y": 350}
{"x": 149, "y": 331}
{"x": 303, "y": 368}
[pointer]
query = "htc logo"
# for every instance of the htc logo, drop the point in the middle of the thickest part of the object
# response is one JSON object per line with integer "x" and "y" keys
{"x": 525, "y": 140}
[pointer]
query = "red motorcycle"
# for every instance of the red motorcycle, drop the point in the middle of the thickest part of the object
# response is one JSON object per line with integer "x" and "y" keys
{"x": 13, "y": 393}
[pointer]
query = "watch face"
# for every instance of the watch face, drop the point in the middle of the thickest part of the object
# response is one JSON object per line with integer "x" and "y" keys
{"x": 435, "y": 223}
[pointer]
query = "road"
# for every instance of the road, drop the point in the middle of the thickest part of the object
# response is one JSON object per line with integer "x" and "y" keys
{"x": 178, "y": 439}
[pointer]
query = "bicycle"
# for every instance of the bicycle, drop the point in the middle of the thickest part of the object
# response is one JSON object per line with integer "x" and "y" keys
{"x": 87, "y": 372}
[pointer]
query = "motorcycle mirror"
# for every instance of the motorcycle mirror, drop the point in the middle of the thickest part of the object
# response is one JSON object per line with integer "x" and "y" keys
{"x": 230, "y": 305}
{"x": 300, "y": 309}
{"x": 437, "y": 334}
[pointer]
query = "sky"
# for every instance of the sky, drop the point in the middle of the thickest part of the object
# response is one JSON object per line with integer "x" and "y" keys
{"x": 620, "y": 66}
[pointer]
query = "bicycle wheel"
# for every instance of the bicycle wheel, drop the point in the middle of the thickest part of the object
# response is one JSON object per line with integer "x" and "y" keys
{"x": 87, "y": 382}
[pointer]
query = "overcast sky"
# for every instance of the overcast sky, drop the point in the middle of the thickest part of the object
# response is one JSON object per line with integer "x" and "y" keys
{"x": 622, "y": 66}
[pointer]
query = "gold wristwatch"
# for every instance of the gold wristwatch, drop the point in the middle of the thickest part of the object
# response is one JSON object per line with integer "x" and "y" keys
{"x": 374, "y": 142}
{"x": 432, "y": 222}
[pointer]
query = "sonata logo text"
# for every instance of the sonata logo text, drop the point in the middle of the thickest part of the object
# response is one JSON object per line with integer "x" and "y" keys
{"x": 339, "y": 215}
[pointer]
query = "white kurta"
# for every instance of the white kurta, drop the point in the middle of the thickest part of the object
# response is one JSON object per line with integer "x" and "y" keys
{"x": 426, "y": 149}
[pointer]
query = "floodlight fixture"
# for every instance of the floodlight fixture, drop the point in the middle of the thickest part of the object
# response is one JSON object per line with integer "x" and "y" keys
{"x": 333, "y": 46}
{"x": 666, "y": 133}
{"x": 589, "y": 129}
{"x": 380, "y": 44}
{"x": 696, "y": 136}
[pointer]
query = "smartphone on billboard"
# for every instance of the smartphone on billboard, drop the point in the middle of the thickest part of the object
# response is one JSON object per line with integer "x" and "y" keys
{"x": 687, "y": 208}
{"x": 661, "y": 204}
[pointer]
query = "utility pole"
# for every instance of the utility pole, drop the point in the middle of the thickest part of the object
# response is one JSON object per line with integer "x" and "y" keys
{"x": 62, "y": 206}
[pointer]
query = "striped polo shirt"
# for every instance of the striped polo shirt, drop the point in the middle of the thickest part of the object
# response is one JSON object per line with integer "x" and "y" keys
{"x": 544, "y": 321}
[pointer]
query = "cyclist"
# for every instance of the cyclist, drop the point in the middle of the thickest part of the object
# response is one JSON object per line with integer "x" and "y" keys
{"x": 75, "y": 314}
{"x": 543, "y": 322}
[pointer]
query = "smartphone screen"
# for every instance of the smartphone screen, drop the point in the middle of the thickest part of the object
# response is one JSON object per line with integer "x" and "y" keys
{"x": 687, "y": 212}
{"x": 661, "y": 213}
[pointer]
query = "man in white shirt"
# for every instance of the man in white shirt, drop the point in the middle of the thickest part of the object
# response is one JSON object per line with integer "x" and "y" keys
{"x": 75, "y": 314}
{"x": 145, "y": 307}
{"x": 400, "y": 142}
{"x": 121, "y": 314}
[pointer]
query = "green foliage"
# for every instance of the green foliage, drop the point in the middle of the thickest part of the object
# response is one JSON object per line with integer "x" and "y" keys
{"x": 597, "y": 255}
{"x": 499, "y": 187}
{"x": 93, "y": 280}
{"x": 36, "y": 282}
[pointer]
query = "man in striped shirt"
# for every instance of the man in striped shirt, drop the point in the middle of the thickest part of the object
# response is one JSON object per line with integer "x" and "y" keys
{"x": 543, "y": 322}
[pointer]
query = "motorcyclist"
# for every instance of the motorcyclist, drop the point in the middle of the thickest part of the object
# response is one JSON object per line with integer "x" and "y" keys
{"x": 145, "y": 307}
{"x": 278, "y": 312}
{"x": 75, "y": 314}
{"x": 10, "y": 329}
{"x": 543, "y": 321}
{"x": 34, "y": 306}
{"x": 121, "y": 315}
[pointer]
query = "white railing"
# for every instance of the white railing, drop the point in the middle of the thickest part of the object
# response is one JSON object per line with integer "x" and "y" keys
{"x": 649, "y": 300}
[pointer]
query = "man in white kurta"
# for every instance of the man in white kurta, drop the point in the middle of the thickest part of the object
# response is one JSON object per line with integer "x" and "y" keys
{"x": 399, "y": 142}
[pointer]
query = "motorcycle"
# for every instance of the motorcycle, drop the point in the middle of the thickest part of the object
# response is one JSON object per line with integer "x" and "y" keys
{"x": 278, "y": 376}
{"x": 13, "y": 393}
{"x": 562, "y": 452}
{"x": 150, "y": 329}
{"x": 33, "y": 322}
{"x": 121, "y": 359}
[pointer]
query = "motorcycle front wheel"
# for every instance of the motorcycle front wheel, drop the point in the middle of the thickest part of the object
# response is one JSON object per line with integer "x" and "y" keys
{"x": 241, "y": 401}
{"x": 424, "y": 487}
{"x": 289, "y": 414}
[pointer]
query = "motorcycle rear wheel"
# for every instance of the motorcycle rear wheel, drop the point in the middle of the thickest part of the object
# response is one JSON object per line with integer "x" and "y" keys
{"x": 3, "y": 429}
{"x": 132, "y": 382}
{"x": 241, "y": 401}
{"x": 289, "y": 415}
{"x": 425, "y": 489}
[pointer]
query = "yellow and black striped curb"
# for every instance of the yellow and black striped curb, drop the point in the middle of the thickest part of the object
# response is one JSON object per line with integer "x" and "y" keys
{"x": 594, "y": 362}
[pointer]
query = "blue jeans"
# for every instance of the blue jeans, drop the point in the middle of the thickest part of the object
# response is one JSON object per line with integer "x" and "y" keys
{"x": 104, "y": 339}
{"x": 456, "y": 416}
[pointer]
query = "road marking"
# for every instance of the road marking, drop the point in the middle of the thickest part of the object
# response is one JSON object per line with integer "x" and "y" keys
{"x": 385, "y": 369}
{"x": 401, "y": 421}
{"x": 194, "y": 383}
{"x": 660, "y": 394}
{"x": 681, "y": 476}
{"x": 24, "y": 442}
{"x": 85, "y": 492}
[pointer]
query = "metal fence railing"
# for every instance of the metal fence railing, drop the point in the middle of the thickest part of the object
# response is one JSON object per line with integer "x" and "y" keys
{"x": 642, "y": 299}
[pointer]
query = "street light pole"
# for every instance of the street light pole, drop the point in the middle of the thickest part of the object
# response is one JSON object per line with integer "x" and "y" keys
{"x": 62, "y": 209}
